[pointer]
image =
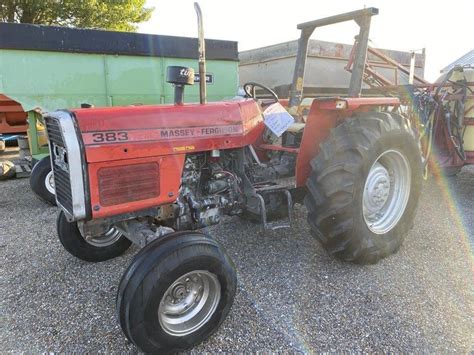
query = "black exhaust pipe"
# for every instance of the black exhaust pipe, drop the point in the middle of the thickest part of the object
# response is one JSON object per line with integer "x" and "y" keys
{"x": 202, "y": 56}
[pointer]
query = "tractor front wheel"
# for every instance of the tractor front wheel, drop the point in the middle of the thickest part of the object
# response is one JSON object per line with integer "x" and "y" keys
{"x": 176, "y": 292}
{"x": 364, "y": 187}
{"x": 94, "y": 249}
{"x": 42, "y": 181}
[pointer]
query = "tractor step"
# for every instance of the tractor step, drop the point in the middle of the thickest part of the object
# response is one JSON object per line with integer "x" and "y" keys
{"x": 285, "y": 223}
{"x": 276, "y": 185}
{"x": 277, "y": 225}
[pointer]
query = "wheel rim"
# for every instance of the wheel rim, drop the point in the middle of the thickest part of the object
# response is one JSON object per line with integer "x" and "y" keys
{"x": 106, "y": 239}
{"x": 189, "y": 303}
{"x": 386, "y": 191}
{"x": 49, "y": 182}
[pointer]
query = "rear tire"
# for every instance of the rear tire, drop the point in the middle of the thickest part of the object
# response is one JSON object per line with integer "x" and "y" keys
{"x": 176, "y": 292}
{"x": 99, "y": 248}
{"x": 42, "y": 181}
{"x": 364, "y": 187}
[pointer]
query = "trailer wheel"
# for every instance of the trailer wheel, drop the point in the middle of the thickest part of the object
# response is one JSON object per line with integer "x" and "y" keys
{"x": 176, "y": 292}
{"x": 364, "y": 187}
{"x": 42, "y": 181}
{"x": 95, "y": 249}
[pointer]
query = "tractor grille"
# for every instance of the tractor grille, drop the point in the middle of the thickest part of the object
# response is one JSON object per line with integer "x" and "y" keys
{"x": 123, "y": 184}
{"x": 58, "y": 152}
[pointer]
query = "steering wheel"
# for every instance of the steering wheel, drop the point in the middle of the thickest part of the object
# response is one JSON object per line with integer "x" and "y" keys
{"x": 249, "y": 89}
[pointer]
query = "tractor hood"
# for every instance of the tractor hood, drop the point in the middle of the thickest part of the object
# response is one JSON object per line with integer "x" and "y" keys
{"x": 141, "y": 131}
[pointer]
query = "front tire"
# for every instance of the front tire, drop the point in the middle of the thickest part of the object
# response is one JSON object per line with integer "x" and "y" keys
{"x": 176, "y": 292}
{"x": 99, "y": 248}
{"x": 364, "y": 187}
{"x": 42, "y": 181}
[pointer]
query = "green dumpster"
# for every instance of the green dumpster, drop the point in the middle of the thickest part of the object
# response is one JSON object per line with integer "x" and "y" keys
{"x": 45, "y": 68}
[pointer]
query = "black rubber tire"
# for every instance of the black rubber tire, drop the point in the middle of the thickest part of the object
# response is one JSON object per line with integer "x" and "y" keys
{"x": 336, "y": 183}
{"x": 150, "y": 274}
{"x": 76, "y": 245}
{"x": 38, "y": 180}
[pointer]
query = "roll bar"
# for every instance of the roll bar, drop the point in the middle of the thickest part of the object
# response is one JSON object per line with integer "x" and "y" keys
{"x": 362, "y": 18}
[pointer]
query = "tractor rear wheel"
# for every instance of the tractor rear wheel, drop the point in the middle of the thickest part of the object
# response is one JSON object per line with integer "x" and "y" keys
{"x": 176, "y": 292}
{"x": 364, "y": 187}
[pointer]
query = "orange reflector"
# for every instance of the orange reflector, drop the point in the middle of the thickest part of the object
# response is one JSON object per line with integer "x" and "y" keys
{"x": 128, "y": 183}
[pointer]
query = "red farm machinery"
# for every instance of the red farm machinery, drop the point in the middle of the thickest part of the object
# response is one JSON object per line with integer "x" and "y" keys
{"x": 12, "y": 119}
{"x": 442, "y": 112}
{"x": 155, "y": 175}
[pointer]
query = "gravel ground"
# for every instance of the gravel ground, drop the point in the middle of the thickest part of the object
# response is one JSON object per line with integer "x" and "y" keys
{"x": 292, "y": 296}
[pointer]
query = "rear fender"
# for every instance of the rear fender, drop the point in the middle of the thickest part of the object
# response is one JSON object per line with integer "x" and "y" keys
{"x": 318, "y": 125}
{"x": 326, "y": 114}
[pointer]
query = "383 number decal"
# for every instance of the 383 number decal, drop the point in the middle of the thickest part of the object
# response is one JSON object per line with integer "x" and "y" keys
{"x": 109, "y": 137}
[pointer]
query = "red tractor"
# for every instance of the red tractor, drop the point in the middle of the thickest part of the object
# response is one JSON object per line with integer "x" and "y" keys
{"x": 154, "y": 175}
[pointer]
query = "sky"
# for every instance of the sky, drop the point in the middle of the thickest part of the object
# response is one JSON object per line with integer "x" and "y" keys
{"x": 444, "y": 28}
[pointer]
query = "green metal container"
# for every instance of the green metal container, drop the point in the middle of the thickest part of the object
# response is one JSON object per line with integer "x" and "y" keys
{"x": 52, "y": 68}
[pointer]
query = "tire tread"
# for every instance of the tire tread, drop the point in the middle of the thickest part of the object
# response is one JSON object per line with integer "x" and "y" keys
{"x": 336, "y": 172}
